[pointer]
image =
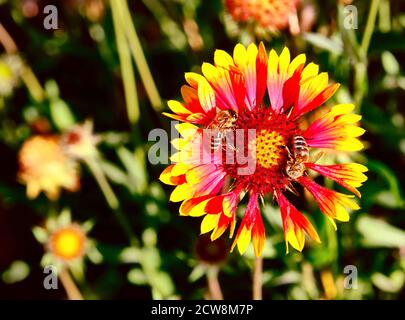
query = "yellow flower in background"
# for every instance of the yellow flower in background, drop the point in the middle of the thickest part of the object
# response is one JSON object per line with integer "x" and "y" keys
{"x": 66, "y": 243}
{"x": 44, "y": 167}
{"x": 10, "y": 71}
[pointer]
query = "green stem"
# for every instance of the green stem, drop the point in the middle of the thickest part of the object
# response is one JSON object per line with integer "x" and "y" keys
{"x": 71, "y": 289}
{"x": 30, "y": 80}
{"x": 368, "y": 32}
{"x": 349, "y": 36}
{"x": 114, "y": 204}
{"x": 258, "y": 279}
{"x": 213, "y": 283}
{"x": 360, "y": 83}
{"x": 111, "y": 199}
{"x": 139, "y": 56}
{"x": 384, "y": 16}
{"x": 360, "y": 69}
{"x": 127, "y": 71}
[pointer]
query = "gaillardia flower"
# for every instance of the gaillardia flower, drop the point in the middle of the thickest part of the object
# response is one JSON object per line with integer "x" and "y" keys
{"x": 230, "y": 100}
{"x": 45, "y": 167}
{"x": 66, "y": 243}
{"x": 271, "y": 15}
{"x": 80, "y": 142}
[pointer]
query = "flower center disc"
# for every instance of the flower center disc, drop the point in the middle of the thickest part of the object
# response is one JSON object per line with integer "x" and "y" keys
{"x": 67, "y": 243}
{"x": 269, "y": 148}
{"x": 266, "y": 150}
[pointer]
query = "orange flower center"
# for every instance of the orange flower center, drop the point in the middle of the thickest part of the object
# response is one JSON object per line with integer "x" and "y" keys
{"x": 67, "y": 243}
{"x": 269, "y": 148}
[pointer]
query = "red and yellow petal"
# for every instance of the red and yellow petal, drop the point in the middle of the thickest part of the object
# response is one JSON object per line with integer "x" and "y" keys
{"x": 337, "y": 130}
{"x": 174, "y": 174}
{"x": 314, "y": 92}
{"x": 199, "y": 103}
{"x": 220, "y": 80}
{"x": 333, "y": 204}
{"x": 277, "y": 75}
{"x": 349, "y": 175}
{"x": 219, "y": 212}
{"x": 289, "y": 84}
{"x": 252, "y": 63}
{"x": 251, "y": 227}
{"x": 211, "y": 184}
{"x": 295, "y": 225}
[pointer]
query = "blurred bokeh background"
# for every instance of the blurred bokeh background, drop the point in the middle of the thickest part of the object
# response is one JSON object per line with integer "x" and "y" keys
{"x": 116, "y": 63}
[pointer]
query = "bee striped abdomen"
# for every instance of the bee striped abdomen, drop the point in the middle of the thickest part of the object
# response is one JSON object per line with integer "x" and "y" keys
{"x": 216, "y": 141}
{"x": 301, "y": 150}
{"x": 224, "y": 122}
{"x": 295, "y": 167}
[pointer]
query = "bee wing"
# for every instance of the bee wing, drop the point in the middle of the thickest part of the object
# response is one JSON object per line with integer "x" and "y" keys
{"x": 317, "y": 156}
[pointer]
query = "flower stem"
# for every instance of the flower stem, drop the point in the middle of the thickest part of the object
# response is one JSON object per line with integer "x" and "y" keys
{"x": 127, "y": 71}
{"x": 111, "y": 198}
{"x": 138, "y": 55}
{"x": 360, "y": 68}
{"x": 30, "y": 80}
{"x": 72, "y": 290}
{"x": 258, "y": 279}
{"x": 368, "y": 32}
{"x": 7, "y": 41}
{"x": 213, "y": 283}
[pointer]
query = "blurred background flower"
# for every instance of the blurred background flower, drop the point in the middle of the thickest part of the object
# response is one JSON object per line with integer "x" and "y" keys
{"x": 266, "y": 15}
{"x": 66, "y": 245}
{"x": 44, "y": 167}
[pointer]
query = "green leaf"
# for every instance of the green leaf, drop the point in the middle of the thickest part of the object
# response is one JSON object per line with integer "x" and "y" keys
{"x": 334, "y": 46}
{"x": 163, "y": 283}
{"x": 61, "y": 114}
{"x": 17, "y": 271}
{"x": 130, "y": 255}
{"x": 135, "y": 166}
{"x": 197, "y": 273}
{"x": 114, "y": 173}
{"x": 391, "y": 284}
{"x": 94, "y": 255}
{"x": 149, "y": 237}
{"x": 390, "y": 63}
{"x": 378, "y": 233}
{"x": 40, "y": 234}
{"x": 52, "y": 89}
{"x": 150, "y": 258}
{"x": 287, "y": 277}
{"x": 391, "y": 198}
{"x": 136, "y": 276}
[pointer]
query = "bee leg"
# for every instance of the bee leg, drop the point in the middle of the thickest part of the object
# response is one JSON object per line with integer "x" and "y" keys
{"x": 290, "y": 111}
{"x": 288, "y": 151}
{"x": 232, "y": 147}
{"x": 261, "y": 199}
{"x": 274, "y": 195}
{"x": 228, "y": 144}
{"x": 291, "y": 188}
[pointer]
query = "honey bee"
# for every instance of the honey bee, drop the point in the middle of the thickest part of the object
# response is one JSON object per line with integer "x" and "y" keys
{"x": 223, "y": 123}
{"x": 299, "y": 154}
